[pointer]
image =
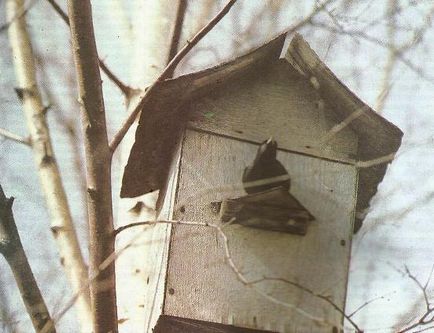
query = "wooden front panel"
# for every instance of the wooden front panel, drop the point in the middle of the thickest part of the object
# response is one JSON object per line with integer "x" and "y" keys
{"x": 202, "y": 286}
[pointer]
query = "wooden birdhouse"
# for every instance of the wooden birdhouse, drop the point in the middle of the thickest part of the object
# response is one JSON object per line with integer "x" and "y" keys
{"x": 275, "y": 260}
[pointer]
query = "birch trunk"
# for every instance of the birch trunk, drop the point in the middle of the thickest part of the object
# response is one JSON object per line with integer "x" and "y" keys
{"x": 144, "y": 263}
{"x": 144, "y": 257}
{"x": 49, "y": 175}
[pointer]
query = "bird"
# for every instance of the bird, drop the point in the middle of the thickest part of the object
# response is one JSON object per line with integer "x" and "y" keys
{"x": 265, "y": 166}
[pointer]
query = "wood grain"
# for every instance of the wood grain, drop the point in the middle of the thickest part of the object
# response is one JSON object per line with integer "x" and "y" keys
{"x": 274, "y": 101}
{"x": 169, "y": 324}
{"x": 201, "y": 286}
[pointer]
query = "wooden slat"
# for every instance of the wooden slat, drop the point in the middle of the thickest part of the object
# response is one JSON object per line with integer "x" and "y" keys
{"x": 201, "y": 286}
{"x": 169, "y": 324}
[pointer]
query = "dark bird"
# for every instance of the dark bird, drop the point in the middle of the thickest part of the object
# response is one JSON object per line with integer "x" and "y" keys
{"x": 265, "y": 167}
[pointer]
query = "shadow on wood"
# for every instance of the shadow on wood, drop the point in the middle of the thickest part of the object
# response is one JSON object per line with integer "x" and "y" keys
{"x": 169, "y": 324}
{"x": 275, "y": 210}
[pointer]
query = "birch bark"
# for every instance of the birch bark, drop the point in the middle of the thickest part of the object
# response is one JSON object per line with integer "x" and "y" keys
{"x": 51, "y": 184}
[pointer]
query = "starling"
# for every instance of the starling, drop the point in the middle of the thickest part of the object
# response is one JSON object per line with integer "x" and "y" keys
{"x": 265, "y": 166}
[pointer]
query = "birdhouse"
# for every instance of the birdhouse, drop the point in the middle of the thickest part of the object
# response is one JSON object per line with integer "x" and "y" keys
{"x": 274, "y": 259}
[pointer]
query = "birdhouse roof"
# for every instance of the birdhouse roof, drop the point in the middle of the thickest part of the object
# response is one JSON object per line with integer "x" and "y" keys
{"x": 162, "y": 123}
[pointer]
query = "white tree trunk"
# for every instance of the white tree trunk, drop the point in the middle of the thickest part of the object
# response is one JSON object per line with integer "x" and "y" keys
{"x": 143, "y": 263}
{"x": 49, "y": 175}
{"x": 136, "y": 268}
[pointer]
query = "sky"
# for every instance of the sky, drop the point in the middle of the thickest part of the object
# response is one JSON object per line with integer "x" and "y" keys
{"x": 398, "y": 231}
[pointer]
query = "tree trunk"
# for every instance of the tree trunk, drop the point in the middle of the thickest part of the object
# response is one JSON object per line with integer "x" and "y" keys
{"x": 49, "y": 174}
{"x": 137, "y": 265}
{"x": 143, "y": 263}
{"x": 98, "y": 167}
{"x": 12, "y": 249}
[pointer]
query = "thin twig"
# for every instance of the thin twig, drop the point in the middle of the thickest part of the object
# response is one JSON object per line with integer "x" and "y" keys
{"x": 392, "y": 12}
{"x": 174, "y": 43}
{"x": 143, "y": 99}
{"x": 376, "y": 161}
{"x": 14, "y": 137}
{"x": 126, "y": 90}
{"x": 343, "y": 124}
{"x": 362, "y": 306}
{"x": 324, "y": 298}
{"x": 362, "y": 35}
{"x": 427, "y": 317}
{"x": 424, "y": 329}
{"x": 428, "y": 280}
{"x": 422, "y": 287}
{"x": 142, "y": 223}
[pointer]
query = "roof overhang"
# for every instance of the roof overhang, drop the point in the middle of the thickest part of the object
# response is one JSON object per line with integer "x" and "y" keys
{"x": 164, "y": 118}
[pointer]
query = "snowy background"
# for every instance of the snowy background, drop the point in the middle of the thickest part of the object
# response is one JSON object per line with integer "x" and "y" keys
{"x": 354, "y": 38}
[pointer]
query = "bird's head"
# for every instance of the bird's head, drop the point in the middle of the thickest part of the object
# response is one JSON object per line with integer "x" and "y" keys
{"x": 267, "y": 150}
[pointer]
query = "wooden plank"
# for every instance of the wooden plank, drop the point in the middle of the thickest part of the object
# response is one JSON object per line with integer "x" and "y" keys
{"x": 274, "y": 101}
{"x": 200, "y": 284}
{"x": 169, "y": 324}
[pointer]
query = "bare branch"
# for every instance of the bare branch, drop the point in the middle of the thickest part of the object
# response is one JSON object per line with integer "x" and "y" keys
{"x": 143, "y": 99}
{"x": 126, "y": 90}
{"x": 365, "y": 304}
{"x": 362, "y": 35}
{"x": 14, "y": 137}
{"x": 428, "y": 280}
{"x": 12, "y": 249}
{"x": 392, "y": 11}
{"x": 424, "y": 329}
{"x": 343, "y": 124}
{"x": 376, "y": 161}
{"x": 324, "y": 298}
{"x": 174, "y": 44}
{"x": 428, "y": 316}
{"x": 422, "y": 287}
